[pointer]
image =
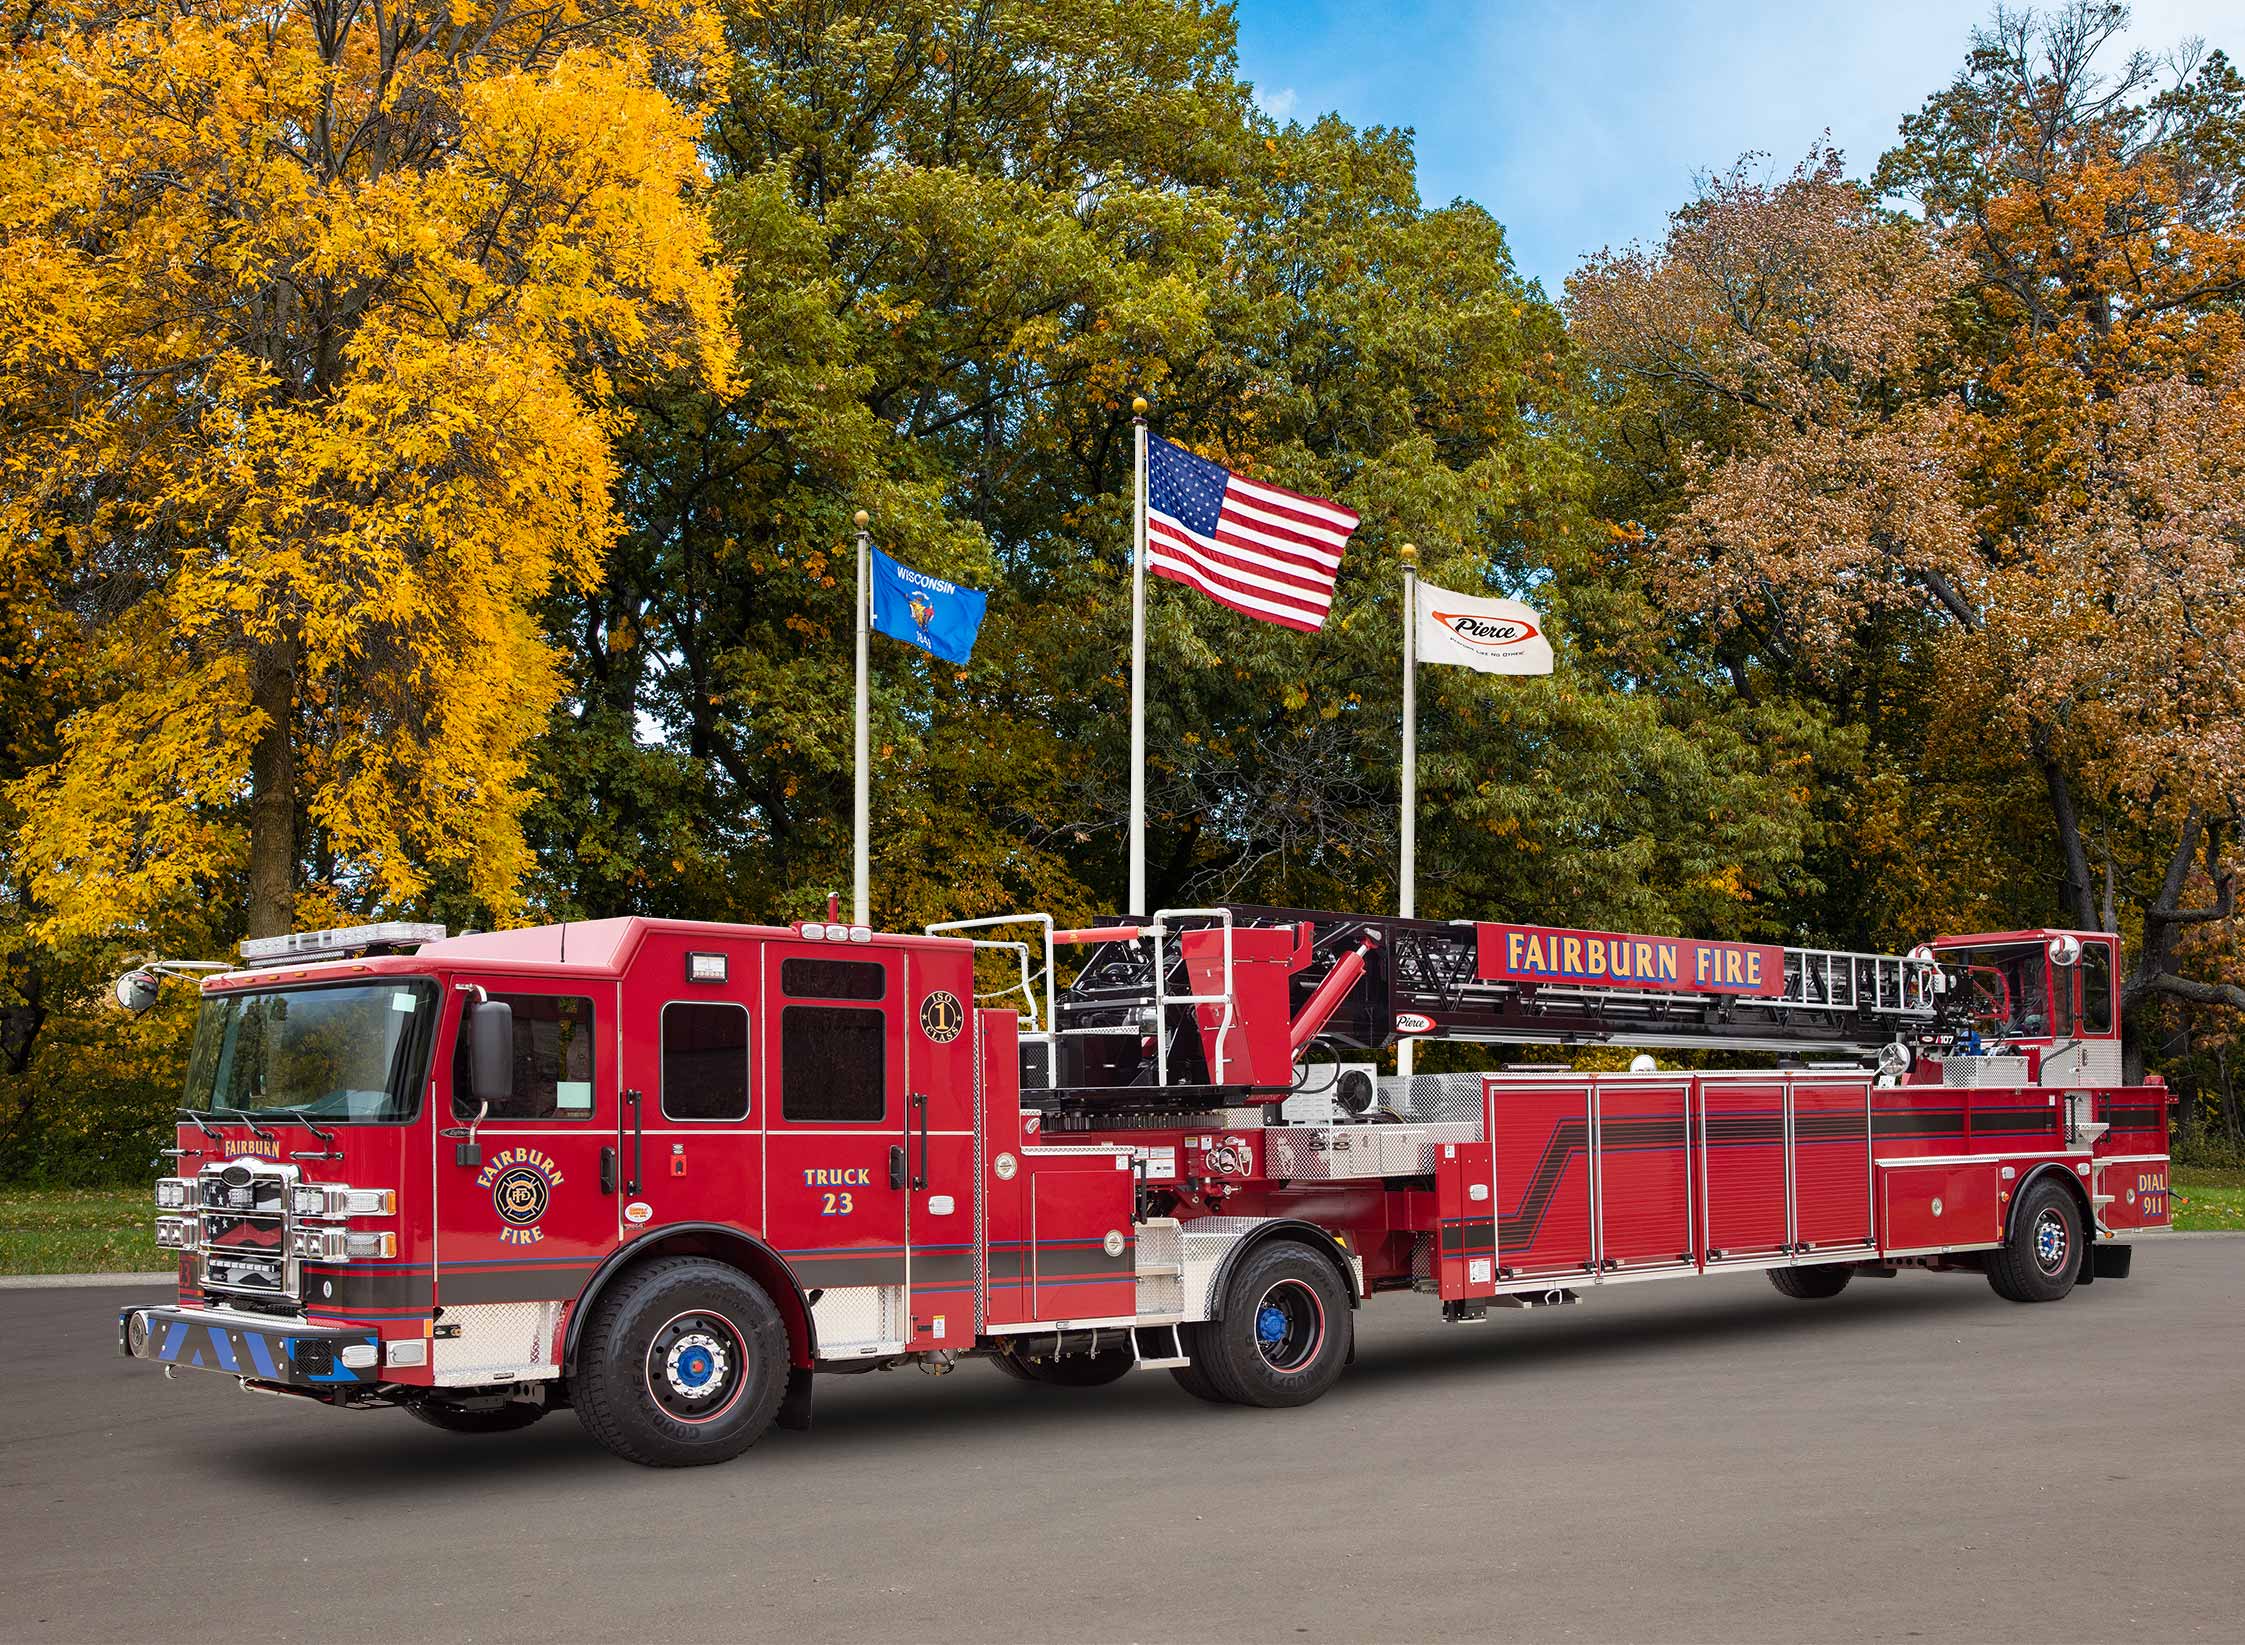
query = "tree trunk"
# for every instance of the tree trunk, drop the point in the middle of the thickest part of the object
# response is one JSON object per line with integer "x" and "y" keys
{"x": 272, "y": 793}
{"x": 2079, "y": 897}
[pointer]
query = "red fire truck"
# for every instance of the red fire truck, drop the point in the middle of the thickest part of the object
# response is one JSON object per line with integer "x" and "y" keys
{"x": 667, "y": 1172}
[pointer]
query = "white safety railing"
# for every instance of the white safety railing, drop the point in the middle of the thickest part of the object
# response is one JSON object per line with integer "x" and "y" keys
{"x": 1028, "y": 991}
{"x": 1163, "y": 998}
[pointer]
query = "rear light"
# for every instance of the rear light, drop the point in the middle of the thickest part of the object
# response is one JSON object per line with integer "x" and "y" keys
{"x": 175, "y": 1233}
{"x": 174, "y": 1194}
{"x": 339, "y": 1245}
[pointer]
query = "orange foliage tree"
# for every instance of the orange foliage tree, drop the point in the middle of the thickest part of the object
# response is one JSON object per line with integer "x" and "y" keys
{"x": 1990, "y": 456}
{"x": 313, "y": 323}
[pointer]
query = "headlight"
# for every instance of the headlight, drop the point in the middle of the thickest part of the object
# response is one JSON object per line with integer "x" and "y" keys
{"x": 330, "y": 1200}
{"x": 174, "y": 1194}
{"x": 339, "y": 1245}
{"x": 175, "y": 1233}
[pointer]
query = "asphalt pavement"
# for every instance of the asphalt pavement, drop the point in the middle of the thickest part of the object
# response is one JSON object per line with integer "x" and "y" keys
{"x": 1698, "y": 1460}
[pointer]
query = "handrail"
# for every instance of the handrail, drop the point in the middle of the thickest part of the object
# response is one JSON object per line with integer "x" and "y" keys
{"x": 1158, "y": 930}
{"x": 988, "y": 921}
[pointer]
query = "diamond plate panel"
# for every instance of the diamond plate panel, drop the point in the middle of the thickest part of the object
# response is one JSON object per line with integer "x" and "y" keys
{"x": 2085, "y": 1062}
{"x": 858, "y": 1320}
{"x": 1160, "y": 1250}
{"x": 498, "y": 1342}
{"x": 1436, "y": 1098}
{"x": 1340, "y": 1153}
{"x": 1977, "y": 1071}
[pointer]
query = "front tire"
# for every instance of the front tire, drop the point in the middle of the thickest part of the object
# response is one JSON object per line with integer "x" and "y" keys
{"x": 684, "y": 1363}
{"x": 1285, "y": 1330}
{"x": 1821, "y": 1279}
{"x": 2038, "y": 1260}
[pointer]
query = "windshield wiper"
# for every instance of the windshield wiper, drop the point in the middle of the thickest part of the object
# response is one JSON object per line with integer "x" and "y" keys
{"x": 327, "y": 1137}
{"x": 190, "y": 1114}
{"x": 255, "y": 1129}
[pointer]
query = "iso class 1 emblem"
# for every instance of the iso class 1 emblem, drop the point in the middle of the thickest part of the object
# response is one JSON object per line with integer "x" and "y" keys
{"x": 521, "y": 1182}
{"x": 942, "y": 1017}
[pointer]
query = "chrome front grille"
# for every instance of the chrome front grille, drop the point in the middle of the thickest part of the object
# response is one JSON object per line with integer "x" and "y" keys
{"x": 243, "y": 1244}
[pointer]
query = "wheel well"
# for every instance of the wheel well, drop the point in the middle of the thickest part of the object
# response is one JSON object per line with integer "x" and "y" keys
{"x": 2065, "y": 1175}
{"x": 1306, "y": 1233}
{"x": 728, "y": 1245}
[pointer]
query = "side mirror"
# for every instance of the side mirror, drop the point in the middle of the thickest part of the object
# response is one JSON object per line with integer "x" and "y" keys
{"x": 491, "y": 1052}
{"x": 136, "y": 991}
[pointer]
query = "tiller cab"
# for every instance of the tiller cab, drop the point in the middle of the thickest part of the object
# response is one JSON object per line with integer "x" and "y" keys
{"x": 669, "y": 1173}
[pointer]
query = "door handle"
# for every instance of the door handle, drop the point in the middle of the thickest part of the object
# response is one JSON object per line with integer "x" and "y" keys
{"x": 632, "y": 1097}
{"x": 896, "y": 1165}
{"x": 920, "y": 1101}
{"x": 608, "y": 1170}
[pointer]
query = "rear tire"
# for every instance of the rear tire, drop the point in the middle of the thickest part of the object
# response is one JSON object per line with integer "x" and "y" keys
{"x": 509, "y": 1418}
{"x": 1070, "y": 1370}
{"x": 1822, "y": 1279}
{"x": 1284, "y": 1334}
{"x": 2038, "y": 1260}
{"x": 684, "y": 1363}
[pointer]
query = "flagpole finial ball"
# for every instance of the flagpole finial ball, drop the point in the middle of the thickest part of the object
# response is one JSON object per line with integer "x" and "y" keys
{"x": 863, "y": 519}
{"x": 1138, "y": 405}
{"x": 1408, "y": 553}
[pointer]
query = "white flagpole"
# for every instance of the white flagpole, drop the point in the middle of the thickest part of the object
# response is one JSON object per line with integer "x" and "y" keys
{"x": 1408, "y": 880}
{"x": 1138, "y": 670}
{"x": 861, "y": 828}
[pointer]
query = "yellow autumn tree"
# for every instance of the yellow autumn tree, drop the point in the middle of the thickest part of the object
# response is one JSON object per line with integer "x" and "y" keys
{"x": 316, "y": 318}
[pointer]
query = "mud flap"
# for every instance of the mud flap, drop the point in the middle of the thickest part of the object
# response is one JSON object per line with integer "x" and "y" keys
{"x": 2109, "y": 1261}
{"x": 795, "y": 1404}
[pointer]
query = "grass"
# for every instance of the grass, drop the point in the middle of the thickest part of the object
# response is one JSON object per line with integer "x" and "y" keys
{"x": 2208, "y": 1198}
{"x": 79, "y": 1231}
{"x": 113, "y": 1230}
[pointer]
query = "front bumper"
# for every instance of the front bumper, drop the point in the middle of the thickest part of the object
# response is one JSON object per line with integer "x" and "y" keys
{"x": 287, "y": 1352}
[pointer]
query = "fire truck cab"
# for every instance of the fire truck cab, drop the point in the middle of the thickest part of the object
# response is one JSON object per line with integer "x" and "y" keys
{"x": 662, "y": 1172}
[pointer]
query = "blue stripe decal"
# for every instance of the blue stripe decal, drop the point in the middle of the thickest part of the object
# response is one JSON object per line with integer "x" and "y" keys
{"x": 173, "y": 1338}
{"x": 224, "y": 1350}
{"x": 261, "y": 1355}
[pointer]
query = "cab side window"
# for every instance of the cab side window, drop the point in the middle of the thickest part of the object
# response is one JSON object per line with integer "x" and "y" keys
{"x": 833, "y": 1058}
{"x": 833, "y": 1061}
{"x": 553, "y": 1059}
{"x": 705, "y": 1061}
{"x": 2096, "y": 988}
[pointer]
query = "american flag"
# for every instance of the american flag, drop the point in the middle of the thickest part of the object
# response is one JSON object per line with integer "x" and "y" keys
{"x": 1268, "y": 552}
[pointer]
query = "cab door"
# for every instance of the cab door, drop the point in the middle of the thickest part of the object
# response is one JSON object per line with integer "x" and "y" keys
{"x": 837, "y": 1173}
{"x": 523, "y": 1217}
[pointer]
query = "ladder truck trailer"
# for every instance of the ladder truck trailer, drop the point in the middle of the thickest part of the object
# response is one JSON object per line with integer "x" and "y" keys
{"x": 668, "y": 1173}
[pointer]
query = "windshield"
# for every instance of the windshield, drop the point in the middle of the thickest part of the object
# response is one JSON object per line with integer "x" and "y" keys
{"x": 349, "y": 1055}
{"x": 2007, "y": 987}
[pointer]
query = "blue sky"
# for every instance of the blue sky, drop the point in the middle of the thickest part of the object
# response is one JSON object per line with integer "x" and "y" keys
{"x": 1581, "y": 126}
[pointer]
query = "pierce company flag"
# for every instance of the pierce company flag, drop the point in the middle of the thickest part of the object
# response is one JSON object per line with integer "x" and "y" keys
{"x": 1494, "y": 636}
{"x": 1262, "y": 550}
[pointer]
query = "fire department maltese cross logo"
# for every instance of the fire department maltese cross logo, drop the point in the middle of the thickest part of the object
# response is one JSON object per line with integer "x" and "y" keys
{"x": 521, "y": 1182}
{"x": 942, "y": 1016}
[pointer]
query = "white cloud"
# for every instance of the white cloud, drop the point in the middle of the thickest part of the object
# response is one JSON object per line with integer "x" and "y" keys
{"x": 1279, "y": 104}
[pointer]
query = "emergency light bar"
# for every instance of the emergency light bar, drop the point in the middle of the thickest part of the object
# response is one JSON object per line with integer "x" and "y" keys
{"x": 338, "y": 941}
